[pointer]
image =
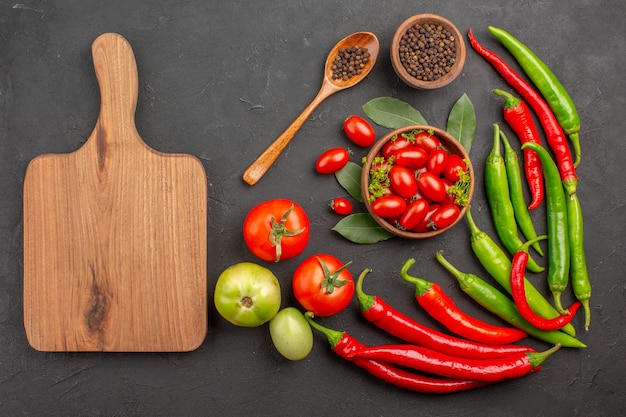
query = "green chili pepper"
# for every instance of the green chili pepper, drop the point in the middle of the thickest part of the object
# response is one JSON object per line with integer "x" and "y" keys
{"x": 499, "y": 198}
{"x": 498, "y": 265}
{"x": 556, "y": 209}
{"x": 578, "y": 263}
{"x": 502, "y": 306}
{"x": 546, "y": 82}
{"x": 514, "y": 176}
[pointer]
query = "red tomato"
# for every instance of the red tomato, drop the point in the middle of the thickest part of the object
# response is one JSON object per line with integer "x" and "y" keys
{"x": 425, "y": 225}
{"x": 437, "y": 161}
{"x": 323, "y": 285}
{"x": 414, "y": 214}
{"x": 453, "y": 165}
{"x": 413, "y": 157}
{"x": 341, "y": 206}
{"x": 403, "y": 181}
{"x": 276, "y": 229}
{"x": 389, "y": 206}
{"x": 449, "y": 197}
{"x": 427, "y": 141}
{"x": 359, "y": 131}
{"x": 332, "y": 160}
{"x": 444, "y": 216}
{"x": 400, "y": 142}
{"x": 431, "y": 186}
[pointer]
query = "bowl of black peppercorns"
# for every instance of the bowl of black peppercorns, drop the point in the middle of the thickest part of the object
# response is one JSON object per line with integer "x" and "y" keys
{"x": 427, "y": 51}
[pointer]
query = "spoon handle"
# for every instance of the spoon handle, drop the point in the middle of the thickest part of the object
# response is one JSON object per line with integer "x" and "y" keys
{"x": 263, "y": 163}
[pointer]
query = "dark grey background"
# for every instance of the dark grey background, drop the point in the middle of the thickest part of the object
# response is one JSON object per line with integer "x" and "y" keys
{"x": 220, "y": 80}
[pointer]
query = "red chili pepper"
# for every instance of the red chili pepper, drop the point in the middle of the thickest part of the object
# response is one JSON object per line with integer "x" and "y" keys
{"x": 518, "y": 116}
{"x": 379, "y": 313}
{"x": 554, "y": 133}
{"x": 518, "y": 267}
{"x": 442, "y": 308}
{"x": 347, "y": 347}
{"x": 427, "y": 360}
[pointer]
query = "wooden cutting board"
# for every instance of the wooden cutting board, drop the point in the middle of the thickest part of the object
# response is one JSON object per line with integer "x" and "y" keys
{"x": 115, "y": 233}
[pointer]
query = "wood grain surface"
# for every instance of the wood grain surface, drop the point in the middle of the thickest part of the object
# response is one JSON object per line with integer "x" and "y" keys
{"x": 115, "y": 233}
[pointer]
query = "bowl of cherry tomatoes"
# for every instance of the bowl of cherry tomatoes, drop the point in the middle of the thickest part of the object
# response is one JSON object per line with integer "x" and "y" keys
{"x": 417, "y": 181}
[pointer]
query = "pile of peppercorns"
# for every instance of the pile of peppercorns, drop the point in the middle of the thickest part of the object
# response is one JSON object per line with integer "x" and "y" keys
{"x": 427, "y": 51}
{"x": 349, "y": 62}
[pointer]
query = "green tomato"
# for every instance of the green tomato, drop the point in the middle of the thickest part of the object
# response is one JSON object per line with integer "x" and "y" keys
{"x": 247, "y": 294}
{"x": 291, "y": 334}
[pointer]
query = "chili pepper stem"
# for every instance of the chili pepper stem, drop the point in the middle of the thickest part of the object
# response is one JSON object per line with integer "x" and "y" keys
{"x": 421, "y": 285}
{"x": 460, "y": 276}
{"x": 537, "y": 358}
{"x": 585, "y": 304}
{"x": 576, "y": 144}
{"x": 365, "y": 300}
{"x": 333, "y": 336}
{"x": 531, "y": 242}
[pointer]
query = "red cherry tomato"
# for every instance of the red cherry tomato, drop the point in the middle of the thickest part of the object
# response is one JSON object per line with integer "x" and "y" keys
{"x": 413, "y": 157}
{"x": 437, "y": 161}
{"x": 431, "y": 186}
{"x": 276, "y": 229}
{"x": 359, "y": 131}
{"x": 402, "y": 180}
{"x": 444, "y": 216}
{"x": 453, "y": 165}
{"x": 389, "y": 206}
{"x": 449, "y": 197}
{"x": 341, "y": 206}
{"x": 414, "y": 214}
{"x": 427, "y": 141}
{"x": 425, "y": 225}
{"x": 332, "y": 160}
{"x": 323, "y": 285}
{"x": 400, "y": 142}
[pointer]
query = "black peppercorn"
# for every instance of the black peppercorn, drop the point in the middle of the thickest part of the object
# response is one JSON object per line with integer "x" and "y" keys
{"x": 427, "y": 51}
{"x": 349, "y": 62}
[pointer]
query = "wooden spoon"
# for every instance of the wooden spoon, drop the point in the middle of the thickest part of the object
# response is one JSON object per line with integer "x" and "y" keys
{"x": 329, "y": 86}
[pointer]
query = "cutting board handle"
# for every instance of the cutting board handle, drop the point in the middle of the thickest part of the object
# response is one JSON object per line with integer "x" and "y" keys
{"x": 116, "y": 70}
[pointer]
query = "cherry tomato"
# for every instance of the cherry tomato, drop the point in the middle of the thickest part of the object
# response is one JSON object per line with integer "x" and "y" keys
{"x": 332, "y": 160}
{"x": 437, "y": 161}
{"x": 341, "y": 206}
{"x": 444, "y": 216}
{"x": 389, "y": 206}
{"x": 413, "y": 157}
{"x": 247, "y": 294}
{"x": 400, "y": 142}
{"x": 359, "y": 131}
{"x": 431, "y": 186}
{"x": 323, "y": 285}
{"x": 414, "y": 214}
{"x": 427, "y": 141}
{"x": 425, "y": 225}
{"x": 449, "y": 197}
{"x": 403, "y": 182}
{"x": 276, "y": 229}
{"x": 453, "y": 165}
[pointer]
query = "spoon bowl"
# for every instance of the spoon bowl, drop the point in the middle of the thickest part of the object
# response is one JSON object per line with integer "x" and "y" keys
{"x": 329, "y": 86}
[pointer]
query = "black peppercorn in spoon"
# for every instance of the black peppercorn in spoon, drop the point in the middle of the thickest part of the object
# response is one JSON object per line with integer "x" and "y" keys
{"x": 330, "y": 85}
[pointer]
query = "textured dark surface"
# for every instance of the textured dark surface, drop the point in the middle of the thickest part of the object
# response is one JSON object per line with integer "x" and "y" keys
{"x": 220, "y": 80}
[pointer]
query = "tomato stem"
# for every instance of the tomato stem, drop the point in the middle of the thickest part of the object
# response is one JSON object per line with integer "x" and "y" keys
{"x": 331, "y": 279}
{"x": 279, "y": 231}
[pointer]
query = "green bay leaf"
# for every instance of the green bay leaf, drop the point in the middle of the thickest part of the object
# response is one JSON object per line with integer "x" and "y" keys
{"x": 392, "y": 113}
{"x": 462, "y": 122}
{"x": 349, "y": 177}
{"x": 361, "y": 228}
